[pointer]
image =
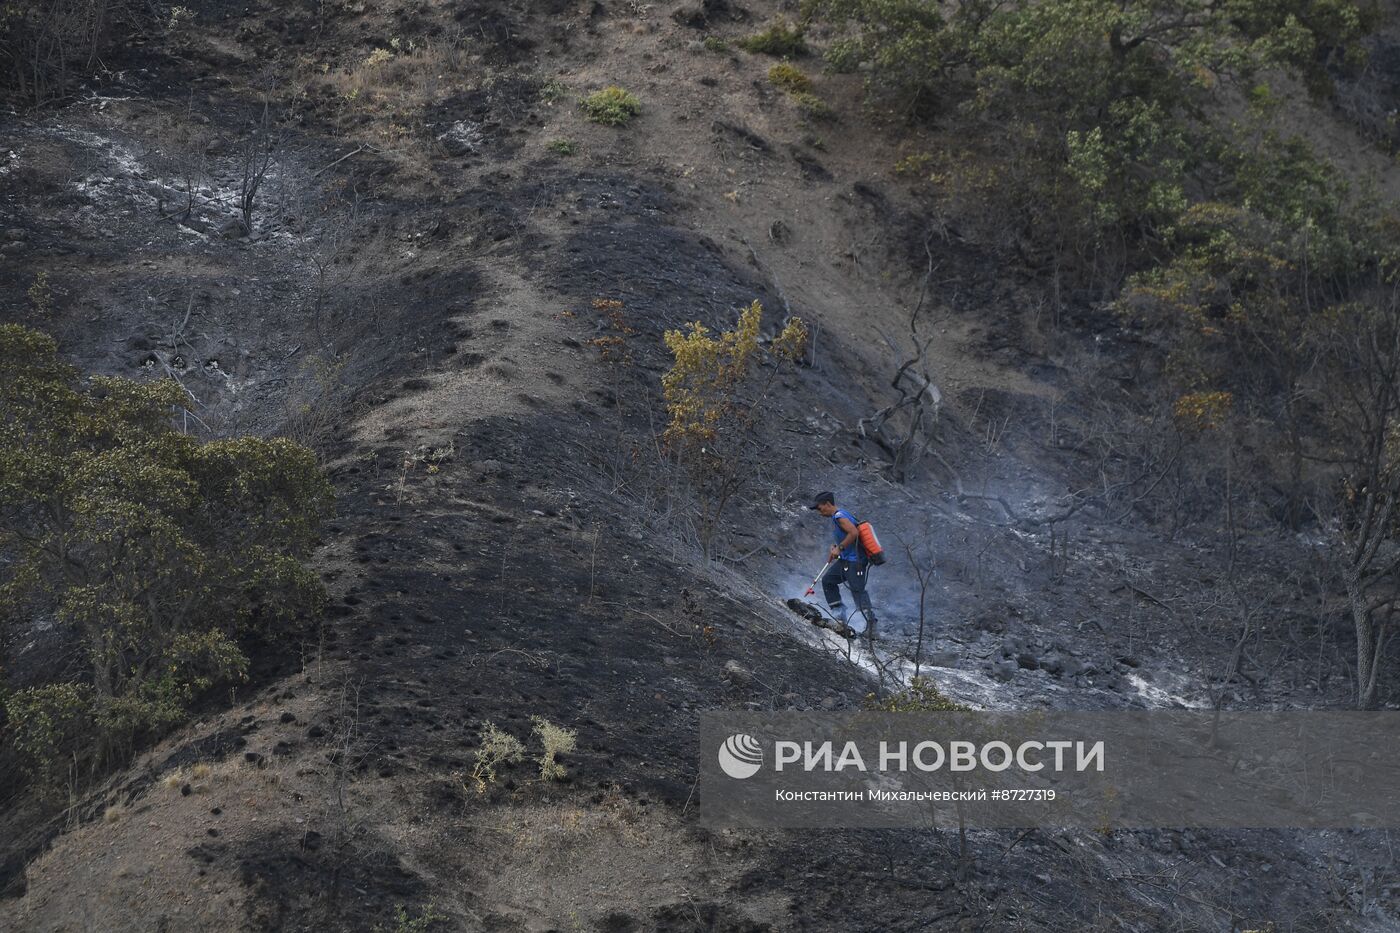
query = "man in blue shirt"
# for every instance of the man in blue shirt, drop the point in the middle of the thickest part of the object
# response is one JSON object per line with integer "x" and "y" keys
{"x": 848, "y": 564}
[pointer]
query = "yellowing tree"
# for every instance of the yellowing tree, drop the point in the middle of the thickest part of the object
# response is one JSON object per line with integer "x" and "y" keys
{"x": 714, "y": 397}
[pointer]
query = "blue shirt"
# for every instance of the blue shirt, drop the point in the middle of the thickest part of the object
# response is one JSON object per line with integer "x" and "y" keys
{"x": 852, "y": 552}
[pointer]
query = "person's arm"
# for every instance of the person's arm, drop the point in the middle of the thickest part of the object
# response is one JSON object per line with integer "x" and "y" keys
{"x": 849, "y": 528}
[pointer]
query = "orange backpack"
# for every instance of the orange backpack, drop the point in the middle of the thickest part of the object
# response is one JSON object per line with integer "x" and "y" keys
{"x": 869, "y": 544}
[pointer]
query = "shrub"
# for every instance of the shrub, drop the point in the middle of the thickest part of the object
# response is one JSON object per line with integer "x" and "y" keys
{"x": 612, "y": 106}
{"x": 553, "y": 90}
{"x": 563, "y": 147}
{"x": 782, "y": 40}
{"x": 556, "y": 741}
{"x": 1202, "y": 411}
{"x": 41, "y": 295}
{"x": 716, "y": 44}
{"x": 813, "y": 107}
{"x": 158, "y": 555}
{"x": 906, "y": 44}
{"x": 921, "y": 696}
{"x": 789, "y": 77}
{"x": 709, "y": 415}
{"x": 497, "y": 748}
{"x": 425, "y": 921}
{"x": 48, "y": 727}
{"x": 917, "y": 164}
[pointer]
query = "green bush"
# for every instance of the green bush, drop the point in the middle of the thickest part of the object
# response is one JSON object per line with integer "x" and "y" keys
{"x": 426, "y": 920}
{"x": 553, "y": 90}
{"x": 563, "y": 147}
{"x": 1087, "y": 113}
{"x": 813, "y": 107}
{"x": 716, "y": 44}
{"x": 48, "y": 727}
{"x": 163, "y": 557}
{"x": 612, "y": 106}
{"x": 782, "y": 40}
{"x": 789, "y": 77}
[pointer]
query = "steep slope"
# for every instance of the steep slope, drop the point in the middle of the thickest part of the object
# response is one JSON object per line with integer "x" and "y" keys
{"x": 419, "y": 299}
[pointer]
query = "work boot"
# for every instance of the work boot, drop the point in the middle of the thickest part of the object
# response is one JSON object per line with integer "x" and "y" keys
{"x": 870, "y": 621}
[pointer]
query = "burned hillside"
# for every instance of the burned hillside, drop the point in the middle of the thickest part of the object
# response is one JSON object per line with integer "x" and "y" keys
{"x": 391, "y": 234}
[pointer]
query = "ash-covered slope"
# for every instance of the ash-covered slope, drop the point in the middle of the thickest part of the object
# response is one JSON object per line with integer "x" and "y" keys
{"x": 418, "y": 298}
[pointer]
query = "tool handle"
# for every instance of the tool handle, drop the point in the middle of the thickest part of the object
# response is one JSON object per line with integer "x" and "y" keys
{"x": 813, "y": 588}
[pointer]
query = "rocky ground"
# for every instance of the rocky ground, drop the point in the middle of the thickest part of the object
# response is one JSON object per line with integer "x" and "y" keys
{"x": 416, "y": 298}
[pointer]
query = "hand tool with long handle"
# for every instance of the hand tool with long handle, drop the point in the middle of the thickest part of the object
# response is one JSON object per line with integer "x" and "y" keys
{"x": 817, "y": 579}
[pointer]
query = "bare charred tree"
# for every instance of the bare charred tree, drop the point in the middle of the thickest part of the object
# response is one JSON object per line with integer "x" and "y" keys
{"x": 904, "y": 428}
{"x": 43, "y": 41}
{"x": 1360, "y": 347}
{"x": 924, "y": 564}
{"x": 258, "y": 156}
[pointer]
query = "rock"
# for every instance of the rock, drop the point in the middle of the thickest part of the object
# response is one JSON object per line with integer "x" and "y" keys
{"x": 1003, "y": 670}
{"x": 943, "y": 658}
{"x": 698, "y": 15}
{"x": 16, "y": 234}
{"x": 736, "y": 672}
{"x": 991, "y": 623}
{"x": 828, "y": 703}
{"x": 1027, "y": 661}
{"x": 462, "y": 138}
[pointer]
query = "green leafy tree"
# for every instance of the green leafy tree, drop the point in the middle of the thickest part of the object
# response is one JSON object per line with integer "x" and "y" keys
{"x": 1240, "y": 294}
{"x": 1084, "y": 113}
{"x": 158, "y": 557}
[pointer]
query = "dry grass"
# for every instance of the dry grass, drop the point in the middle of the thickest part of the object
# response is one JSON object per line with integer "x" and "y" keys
{"x": 395, "y": 80}
{"x": 549, "y": 833}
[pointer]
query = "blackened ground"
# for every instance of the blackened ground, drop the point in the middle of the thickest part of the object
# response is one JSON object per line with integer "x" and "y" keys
{"x": 486, "y": 567}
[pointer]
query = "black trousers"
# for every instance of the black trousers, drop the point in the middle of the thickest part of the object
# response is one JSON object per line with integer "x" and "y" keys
{"x": 854, "y": 574}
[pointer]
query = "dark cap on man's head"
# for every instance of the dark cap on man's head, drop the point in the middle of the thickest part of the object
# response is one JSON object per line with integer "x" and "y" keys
{"x": 822, "y": 498}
